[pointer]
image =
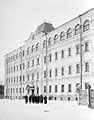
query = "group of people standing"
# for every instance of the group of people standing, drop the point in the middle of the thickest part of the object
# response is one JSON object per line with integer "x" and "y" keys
{"x": 35, "y": 99}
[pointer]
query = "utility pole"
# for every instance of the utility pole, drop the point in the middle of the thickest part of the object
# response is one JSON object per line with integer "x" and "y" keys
{"x": 80, "y": 52}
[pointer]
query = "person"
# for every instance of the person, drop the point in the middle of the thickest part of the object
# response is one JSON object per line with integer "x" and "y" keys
{"x": 45, "y": 99}
{"x": 30, "y": 98}
{"x": 41, "y": 99}
{"x": 26, "y": 99}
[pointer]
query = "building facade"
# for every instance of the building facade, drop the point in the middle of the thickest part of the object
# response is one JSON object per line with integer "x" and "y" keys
{"x": 53, "y": 61}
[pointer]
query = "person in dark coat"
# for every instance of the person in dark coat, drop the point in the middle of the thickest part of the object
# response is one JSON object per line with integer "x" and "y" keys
{"x": 41, "y": 99}
{"x": 30, "y": 98}
{"x": 33, "y": 99}
{"x": 45, "y": 99}
{"x": 26, "y": 99}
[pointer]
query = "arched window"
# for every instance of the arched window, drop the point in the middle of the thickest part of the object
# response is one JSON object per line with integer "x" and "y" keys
{"x": 44, "y": 44}
{"x": 86, "y": 25}
{"x": 28, "y": 50}
{"x": 62, "y": 35}
{"x": 55, "y": 38}
{"x": 37, "y": 46}
{"x": 49, "y": 41}
{"x": 32, "y": 49}
{"x": 77, "y": 29}
{"x": 69, "y": 33}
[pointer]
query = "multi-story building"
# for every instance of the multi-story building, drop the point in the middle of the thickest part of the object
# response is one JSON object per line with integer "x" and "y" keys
{"x": 53, "y": 61}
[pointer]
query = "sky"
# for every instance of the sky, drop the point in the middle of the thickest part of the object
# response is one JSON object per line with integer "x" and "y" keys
{"x": 18, "y": 18}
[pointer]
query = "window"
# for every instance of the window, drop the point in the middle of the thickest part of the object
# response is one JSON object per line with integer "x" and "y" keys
{"x": 23, "y": 78}
{"x": 37, "y": 75}
{"x": 49, "y": 41}
{"x": 44, "y": 59}
{"x": 50, "y": 57}
{"x": 28, "y": 50}
{"x": 37, "y": 61}
{"x": 19, "y": 90}
{"x": 32, "y": 76}
{"x": 32, "y": 63}
{"x": 50, "y": 88}
{"x": 28, "y": 64}
{"x": 37, "y": 46}
{"x": 28, "y": 77}
{"x": 77, "y": 49}
{"x": 56, "y": 72}
{"x": 86, "y": 67}
{"x": 69, "y": 33}
{"x": 16, "y": 90}
{"x": 69, "y": 88}
{"x": 62, "y": 88}
{"x": 78, "y": 68}
{"x": 20, "y": 78}
{"x": 14, "y": 68}
{"x": 86, "y": 47}
{"x": 50, "y": 73}
{"x": 62, "y": 71}
{"x": 69, "y": 51}
{"x": 56, "y": 55}
{"x": 32, "y": 49}
{"x": 62, "y": 36}
{"x": 62, "y": 54}
{"x": 55, "y": 38}
{"x": 23, "y": 66}
{"x": 70, "y": 69}
{"x": 77, "y": 29}
{"x": 56, "y": 88}
{"x": 20, "y": 66}
{"x": 44, "y": 74}
{"x": 86, "y": 25}
{"x": 44, "y": 89}
{"x": 44, "y": 44}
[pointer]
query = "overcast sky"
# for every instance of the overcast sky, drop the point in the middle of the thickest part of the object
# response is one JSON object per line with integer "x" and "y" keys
{"x": 20, "y": 17}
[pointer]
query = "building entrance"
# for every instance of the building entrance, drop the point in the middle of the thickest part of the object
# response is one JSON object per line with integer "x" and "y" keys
{"x": 30, "y": 89}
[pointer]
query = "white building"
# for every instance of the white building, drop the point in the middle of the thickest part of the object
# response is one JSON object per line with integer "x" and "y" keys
{"x": 60, "y": 57}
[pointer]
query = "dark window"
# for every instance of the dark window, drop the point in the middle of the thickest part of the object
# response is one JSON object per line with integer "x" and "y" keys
{"x": 69, "y": 88}
{"x": 69, "y": 33}
{"x": 50, "y": 88}
{"x": 62, "y": 36}
{"x": 86, "y": 47}
{"x": 62, "y": 88}
{"x": 37, "y": 61}
{"x": 69, "y": 51}
{"x": 56, "y": 72}
{"x": 50, "y": 73}
{"x": 77, "y": 29}
{"x": 86, "y": 67}
{"x": 28, "y": 77}
{"x": 32, "y": 76}
{"x": 56, "y": 55}
{"x": 49, "y": 41}
{"x": 86, "y": 25}
{"x": 37, "y": 75}
{"x": 55, "y": 38}
{"x": 44, "y": 59}
{"x": 37, "y": 46}
{"x": 78, "y": 68}
{"x": 50, "y": 57}
{"x": 32, "y": 63}
{"x": 62, "y": 54}
{"x": 32, "y": 49}
{"x": 62, "y": 71}
{"x": 44, "y": 88}
{"x": 70, "y": 70}
{"x": 77, "y": 49}
{"x": 56, "y": 88}
{"x": 28, "y": 50}
{"x": 44, "y": 74}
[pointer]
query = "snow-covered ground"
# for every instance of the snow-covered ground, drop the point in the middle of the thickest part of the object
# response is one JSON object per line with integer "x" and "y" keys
{"x": 54, "y": 110}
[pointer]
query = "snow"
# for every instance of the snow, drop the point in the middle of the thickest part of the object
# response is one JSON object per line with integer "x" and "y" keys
{"x": 54, "y": 110}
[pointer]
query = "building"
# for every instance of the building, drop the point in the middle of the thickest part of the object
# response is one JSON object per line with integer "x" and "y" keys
{"x": 53, "y": 61}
